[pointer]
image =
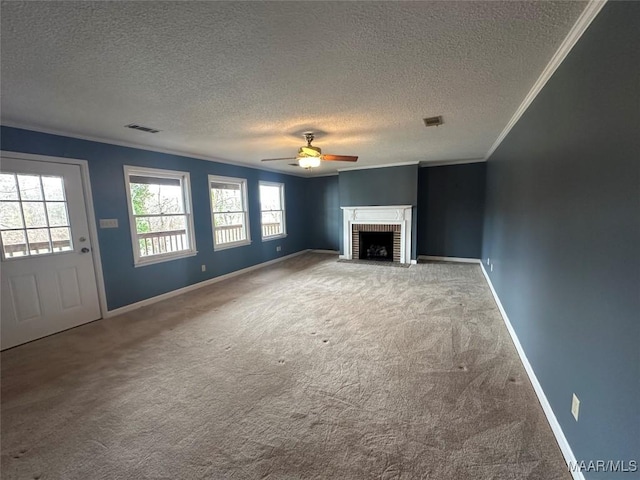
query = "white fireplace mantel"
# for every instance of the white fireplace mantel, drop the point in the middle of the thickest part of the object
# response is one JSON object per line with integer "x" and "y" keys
{"x": 386, "y": 214}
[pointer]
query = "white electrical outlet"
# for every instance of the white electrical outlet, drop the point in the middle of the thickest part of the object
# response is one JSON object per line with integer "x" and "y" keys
{"x": 492, "y": 267}
{"x": 278, "y": 248}
{"x": 575, "y": 407}
{"x": 204, "y": 268}
{"x": 488, "y": 260}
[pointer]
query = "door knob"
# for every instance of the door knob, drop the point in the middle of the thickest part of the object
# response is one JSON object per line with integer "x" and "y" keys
{"x": 84, "y": 250}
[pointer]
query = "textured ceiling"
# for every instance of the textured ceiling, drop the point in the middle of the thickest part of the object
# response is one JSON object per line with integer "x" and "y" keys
{"x": 241, "y": 81}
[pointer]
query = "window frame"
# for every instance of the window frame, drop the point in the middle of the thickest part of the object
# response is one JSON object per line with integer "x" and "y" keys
{"x": 185, "y": 183}
{"x": 245, "y": 204}
{"x": 283, "y": 209}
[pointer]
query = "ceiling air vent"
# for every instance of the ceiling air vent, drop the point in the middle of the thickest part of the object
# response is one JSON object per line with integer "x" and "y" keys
{"x": 433, "y": 121}
{"x": 142, "y": 128}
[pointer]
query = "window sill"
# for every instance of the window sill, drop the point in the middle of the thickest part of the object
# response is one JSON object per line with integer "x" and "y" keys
{"x": 227, "y": 246}
{"x": 274, "y": 237}
{"x": 163, "y": 258}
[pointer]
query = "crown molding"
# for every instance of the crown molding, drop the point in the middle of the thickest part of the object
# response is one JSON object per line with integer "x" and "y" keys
{"x": 137, "y": 146}
{"x": 443, "y": 163}
{"x": 334, "y": 174}
{"x": 582, "y": 23}
{"x": 383, "y": 165}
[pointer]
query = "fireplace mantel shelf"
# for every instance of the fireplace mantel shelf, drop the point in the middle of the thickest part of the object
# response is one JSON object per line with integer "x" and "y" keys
{"x": 378, "y": 214}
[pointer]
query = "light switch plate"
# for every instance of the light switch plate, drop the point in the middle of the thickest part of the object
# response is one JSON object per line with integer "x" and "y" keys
{"x": 575, "y": 407}
{"x": 108, "y": 223}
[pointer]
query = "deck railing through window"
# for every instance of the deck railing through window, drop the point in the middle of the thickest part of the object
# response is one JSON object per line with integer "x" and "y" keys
{"x": 19, "y": 249}
{"x": 234, "y": 233}
{"x": 271, "y": 229}
{"x": 154, "y": 243}
{"x": 228, "y": 234}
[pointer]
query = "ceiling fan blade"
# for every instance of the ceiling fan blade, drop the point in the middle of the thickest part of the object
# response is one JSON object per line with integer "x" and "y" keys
{"x": 339, "y": 158}
{"x": 274, "y": 159}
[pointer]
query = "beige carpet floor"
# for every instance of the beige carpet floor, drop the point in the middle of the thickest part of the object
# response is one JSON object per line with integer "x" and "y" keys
{"x": 308, "y": 369}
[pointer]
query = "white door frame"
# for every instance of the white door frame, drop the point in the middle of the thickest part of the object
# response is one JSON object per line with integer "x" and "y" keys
{"x": 91, "y": 216}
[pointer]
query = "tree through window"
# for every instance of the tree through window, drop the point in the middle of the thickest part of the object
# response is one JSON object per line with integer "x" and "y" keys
{"x": 272, "y": 210}
{"x": 229, "y": 212}
{"x": 160, "y": 208}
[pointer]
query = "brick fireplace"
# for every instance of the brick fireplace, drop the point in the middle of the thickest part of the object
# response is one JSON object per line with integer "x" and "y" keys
{"x": 362, "y": 240}
{"x": 394, "y": 219}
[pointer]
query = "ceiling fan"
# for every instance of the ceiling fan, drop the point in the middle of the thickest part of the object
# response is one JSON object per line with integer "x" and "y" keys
{"x": 310, "y": 156}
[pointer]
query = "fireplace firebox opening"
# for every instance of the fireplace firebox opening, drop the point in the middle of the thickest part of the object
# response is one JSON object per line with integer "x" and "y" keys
{"x": 376, "y": 246}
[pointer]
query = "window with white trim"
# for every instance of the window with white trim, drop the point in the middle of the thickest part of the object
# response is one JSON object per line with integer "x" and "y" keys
{"x": 272, "y": 210}
{"x": 159, "y": 214}
{"x": 229, "y": 212}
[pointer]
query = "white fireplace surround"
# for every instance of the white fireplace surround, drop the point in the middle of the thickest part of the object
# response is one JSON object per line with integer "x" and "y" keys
{"x": 385, "y": 215}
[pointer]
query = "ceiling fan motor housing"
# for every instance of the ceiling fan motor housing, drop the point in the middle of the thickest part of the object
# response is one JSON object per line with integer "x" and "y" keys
{"x": 309, "y": 151}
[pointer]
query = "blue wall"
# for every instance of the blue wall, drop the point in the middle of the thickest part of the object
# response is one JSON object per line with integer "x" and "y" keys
{"x": 126, "y": 284}
{"x": 451, "y": 210}
{"x": 562, "y": 228}
{"x": 379, "y": 186}
{"x": 325, "y": 220}
{"x": 382, "y": 186}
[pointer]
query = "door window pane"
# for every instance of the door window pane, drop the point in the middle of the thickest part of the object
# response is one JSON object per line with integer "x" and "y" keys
{"x": 29, "y": 225}
{"x": 57, "y": 212}
{"x": 14, "y": 243}
{"x": 30, "y": 188}
{"x": 61, "y": 239}
{"x": 53, "y": 188}
{"x": 38, "y": 241}
{"x": 10, "y": 215}
{"x": 34, "y": 214}
{"x": 8, "y": 187}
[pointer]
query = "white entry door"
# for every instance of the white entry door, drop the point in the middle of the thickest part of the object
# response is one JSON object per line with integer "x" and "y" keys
{"x": 48, "y": 277}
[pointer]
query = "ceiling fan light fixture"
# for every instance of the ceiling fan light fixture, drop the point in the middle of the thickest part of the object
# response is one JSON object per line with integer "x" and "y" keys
{"x": 310, "y": 156}
{"x": 309, "y": 162}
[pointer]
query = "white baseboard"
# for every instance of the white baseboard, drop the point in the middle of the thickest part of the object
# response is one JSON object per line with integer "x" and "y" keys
{"x": 332, "y": 252}
{"x": 569, "y": 457}
{"x": 449, "y": 259}
{"x": 195, "y": 286}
